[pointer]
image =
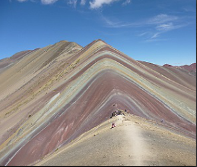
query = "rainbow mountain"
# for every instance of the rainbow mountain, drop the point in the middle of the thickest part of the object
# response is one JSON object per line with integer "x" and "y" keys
{"x": 51, "y": 97}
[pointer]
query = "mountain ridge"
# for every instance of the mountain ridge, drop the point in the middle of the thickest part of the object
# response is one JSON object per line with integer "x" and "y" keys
{"x": 67, "y": 90}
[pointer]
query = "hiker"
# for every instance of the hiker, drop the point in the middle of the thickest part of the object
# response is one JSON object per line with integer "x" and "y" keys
{"x": 119, "y": 112}
{"x": 114, "y": 114}
{"x": 113, "y": 125}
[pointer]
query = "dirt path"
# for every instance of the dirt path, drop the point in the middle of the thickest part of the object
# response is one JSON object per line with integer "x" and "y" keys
{"x": 122, "y": 145}
{"x": 137, "y": 146}
{"x": 133, "y": 142}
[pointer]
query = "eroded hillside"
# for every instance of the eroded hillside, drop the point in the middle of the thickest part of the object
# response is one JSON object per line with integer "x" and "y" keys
{"x": 52, "y": 95}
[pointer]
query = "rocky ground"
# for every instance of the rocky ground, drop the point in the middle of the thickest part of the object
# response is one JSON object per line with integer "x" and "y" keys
{"x": 134, "y": 141}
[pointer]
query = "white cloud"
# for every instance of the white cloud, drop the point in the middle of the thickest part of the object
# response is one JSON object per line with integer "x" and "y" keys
{"x": 72, "y": 3}
{"x": 47, "y": 2}
{"x": 155, "y": 35}
{"x": 143, "y": 34}
{"x": 162, "y": 18}
{"x": 163, "y": 23}
{"x": 95, "y": 4}
{"x": 22, "y": 0}
{"x": 154, "y": 27}
{"x": 165, "y": 27}
{"x": 83, "y": 2}
{"x": 109, "y": 22}
{"x": 126, "y": 2}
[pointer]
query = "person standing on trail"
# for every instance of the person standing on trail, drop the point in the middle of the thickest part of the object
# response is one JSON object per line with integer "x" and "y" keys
{"x": 113, "y": 114}
{"x": 113, "y": 125}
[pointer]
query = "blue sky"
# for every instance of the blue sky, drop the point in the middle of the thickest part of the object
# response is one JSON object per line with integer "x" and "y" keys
{"x": 156, "y": 31}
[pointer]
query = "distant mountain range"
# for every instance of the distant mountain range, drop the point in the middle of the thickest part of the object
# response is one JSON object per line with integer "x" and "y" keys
{"x": 189, "y": 68}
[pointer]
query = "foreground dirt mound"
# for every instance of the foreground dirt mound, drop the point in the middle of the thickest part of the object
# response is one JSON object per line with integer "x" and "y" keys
{"x": 133, "y": 142}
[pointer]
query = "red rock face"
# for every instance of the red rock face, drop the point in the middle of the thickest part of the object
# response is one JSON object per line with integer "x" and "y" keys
{"x": 167, "y": 65}
{"x": 83, "y": 91}
{"x": 189, "y": 68}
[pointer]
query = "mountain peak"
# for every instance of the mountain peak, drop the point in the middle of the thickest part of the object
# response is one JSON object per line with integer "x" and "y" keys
{"x": 57, "y": 94}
